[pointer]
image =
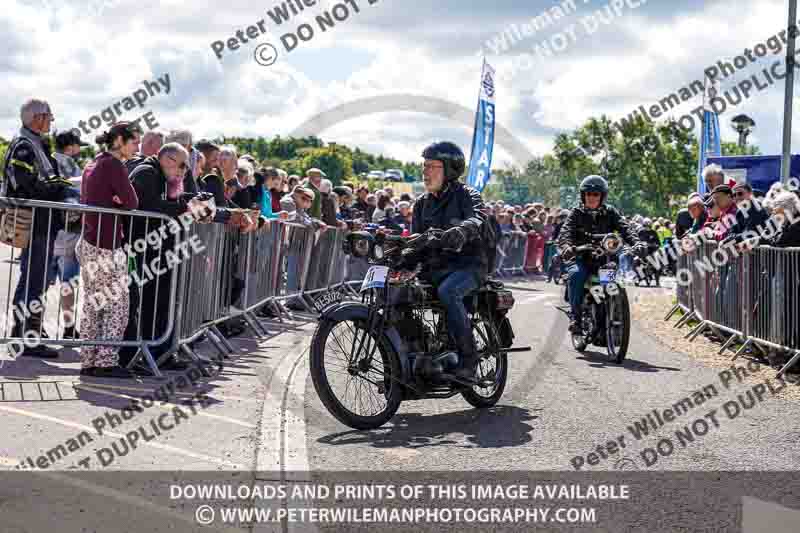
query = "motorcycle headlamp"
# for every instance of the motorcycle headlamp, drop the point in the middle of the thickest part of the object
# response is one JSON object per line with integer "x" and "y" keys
{"x": 611, "y": 244}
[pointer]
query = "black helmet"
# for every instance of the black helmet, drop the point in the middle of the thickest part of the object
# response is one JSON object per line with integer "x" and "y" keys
{"x": 451, "y": 157}
{"x": 594, "y": 183}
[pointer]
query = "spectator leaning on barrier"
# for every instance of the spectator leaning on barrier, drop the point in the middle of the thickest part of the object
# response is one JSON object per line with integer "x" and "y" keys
{"x": 245, "y": 174}
{"x": 313, "y": 181}
{"x": 697, "y": 211}
{"x": 31, "y": 172}
{"x": 100, "y": 250}
{"x": 723, "y": 198}
{"x": 750, "y": 214}
{"x": 328, "y": 203}
{"x": 210, "y": 180}
{"x": 68, "y": 147}
{"x": 271, "y": 181}
{"x": 159, "y": 185}
{"x": 184, "y": 138}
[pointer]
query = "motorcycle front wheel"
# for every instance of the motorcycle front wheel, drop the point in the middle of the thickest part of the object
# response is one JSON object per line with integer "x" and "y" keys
{"x": 618, "y": 326}
{"x": 492, "y": 371}
{"x": 355, "y": 374}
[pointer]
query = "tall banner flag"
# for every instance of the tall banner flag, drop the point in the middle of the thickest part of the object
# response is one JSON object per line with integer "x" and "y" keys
{"x": 710, "y": 144}
{"x": 480, "y": 163}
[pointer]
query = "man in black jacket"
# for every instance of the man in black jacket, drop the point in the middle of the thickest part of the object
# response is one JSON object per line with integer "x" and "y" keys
{"x": 590, "y": 216}
{"x": 150, "y": 179}
{"x": 31, "y": 172}
{"x": 463, "y": 260}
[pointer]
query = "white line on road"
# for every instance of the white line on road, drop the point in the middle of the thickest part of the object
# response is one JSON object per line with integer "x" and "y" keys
{"x": 212, "y": 395}
{"x": 165, "y": 447}
{"x": 169, "y": 407}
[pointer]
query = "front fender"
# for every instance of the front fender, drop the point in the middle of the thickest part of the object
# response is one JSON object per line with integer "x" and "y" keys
{"x": 360, "y": 311}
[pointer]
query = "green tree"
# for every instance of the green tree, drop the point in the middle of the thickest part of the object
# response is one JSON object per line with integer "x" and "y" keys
{"x": 337, "y": 165}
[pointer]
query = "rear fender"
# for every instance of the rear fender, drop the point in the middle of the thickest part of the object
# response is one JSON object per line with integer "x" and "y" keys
{"x": 360, "y": 311}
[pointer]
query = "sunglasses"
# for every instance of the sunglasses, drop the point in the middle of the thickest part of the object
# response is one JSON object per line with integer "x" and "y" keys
{"x": 594, "y": 194}
{"x": 430, "y": 166}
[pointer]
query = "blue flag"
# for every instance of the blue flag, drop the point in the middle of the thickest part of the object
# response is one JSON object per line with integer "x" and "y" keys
{"x": 710, "y": 144}
{"x": 480, "y": 163}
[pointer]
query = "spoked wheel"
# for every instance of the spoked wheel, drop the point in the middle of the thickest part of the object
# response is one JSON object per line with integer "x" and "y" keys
{"x": 492, "y": 371}
{"x": 355, "y": 374}
{"x": 618, "y": 326}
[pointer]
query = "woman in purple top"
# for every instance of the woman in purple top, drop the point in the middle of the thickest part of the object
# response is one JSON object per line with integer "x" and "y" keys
{"x": 105, "y": 283}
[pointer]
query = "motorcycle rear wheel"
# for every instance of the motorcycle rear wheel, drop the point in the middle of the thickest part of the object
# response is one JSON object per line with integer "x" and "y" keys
{"x": 373, "y": 380}
{"x": 493, "y": 364}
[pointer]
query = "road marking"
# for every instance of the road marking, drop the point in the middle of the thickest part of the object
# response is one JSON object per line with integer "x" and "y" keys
{"x": 295, "y": 451}
{"x": 169, "y": 406}
{"x": 165, "y": 447}
{"x": 213, "y": 396}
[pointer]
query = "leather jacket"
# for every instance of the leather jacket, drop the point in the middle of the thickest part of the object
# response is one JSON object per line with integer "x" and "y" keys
{"x": 456, "y": 206}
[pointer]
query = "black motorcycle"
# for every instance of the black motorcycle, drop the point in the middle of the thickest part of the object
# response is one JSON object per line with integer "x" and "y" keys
{"x": 606, "y": 319}
{"x": 369, "y": 356}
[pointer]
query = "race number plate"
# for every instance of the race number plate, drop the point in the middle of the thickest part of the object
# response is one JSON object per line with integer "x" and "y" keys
{"x": 606, "y": 275}
{"x": 375, "y": 278}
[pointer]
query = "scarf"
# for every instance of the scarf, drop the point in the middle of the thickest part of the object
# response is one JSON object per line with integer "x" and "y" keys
{"x": 174, "y": 187}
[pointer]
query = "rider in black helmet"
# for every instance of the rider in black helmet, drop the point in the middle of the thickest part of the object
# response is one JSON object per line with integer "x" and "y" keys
{"x": 592, "y": 215}
{"x": 464, "y": 261}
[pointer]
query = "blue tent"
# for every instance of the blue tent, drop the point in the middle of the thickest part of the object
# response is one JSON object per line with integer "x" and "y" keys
{"x": 760, "y": 171}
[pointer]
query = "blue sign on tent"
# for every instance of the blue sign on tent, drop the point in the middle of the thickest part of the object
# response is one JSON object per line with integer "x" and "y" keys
{"x": 760, "y": 171}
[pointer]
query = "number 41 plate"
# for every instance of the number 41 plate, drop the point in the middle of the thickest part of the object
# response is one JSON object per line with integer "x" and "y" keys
{"x": 375, "y": 278}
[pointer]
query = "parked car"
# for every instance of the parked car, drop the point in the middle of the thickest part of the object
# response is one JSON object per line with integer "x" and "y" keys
{"x": 377, "y": 175}
{"x": 395, "y": 174}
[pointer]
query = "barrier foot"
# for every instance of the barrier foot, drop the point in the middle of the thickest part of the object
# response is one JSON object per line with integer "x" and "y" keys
{"x": 741, "y": 350}
{"x": 278, "y": 308}
{"x": 789, "y": 365}
{"x": 201, "y": 363}
{"x": 148, "y": 357}
{"x": 228, "y": 346}
{"x": 258, "y": 323}
{"x": 252, "y": 325}
{"x": 216, "y": 343}
{"x": 696, "y": 331}
{"x": 672, "y": 312}
{"x": 684, "y": 319}
{"x": 728, "y": 342}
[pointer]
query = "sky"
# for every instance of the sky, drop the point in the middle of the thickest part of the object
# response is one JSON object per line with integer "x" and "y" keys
{"x": 84, "y": 56}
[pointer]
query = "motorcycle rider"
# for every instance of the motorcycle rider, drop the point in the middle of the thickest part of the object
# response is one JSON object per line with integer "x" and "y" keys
{"x": 465, "y": 256}
{"x": 592, "y": 215}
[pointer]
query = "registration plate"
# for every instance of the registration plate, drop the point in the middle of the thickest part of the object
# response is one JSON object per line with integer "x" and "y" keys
{"x": 375, "y": 278}
{"x": 606, "y": 275}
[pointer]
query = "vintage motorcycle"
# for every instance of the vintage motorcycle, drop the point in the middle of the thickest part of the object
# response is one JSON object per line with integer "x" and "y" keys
{"x": 368, "y": 356}
{"x": 606, "y": 319}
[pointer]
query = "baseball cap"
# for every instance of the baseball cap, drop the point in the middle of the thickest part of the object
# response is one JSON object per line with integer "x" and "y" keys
{"x": 68, "y": 138}
{"x": 318, "y": 171}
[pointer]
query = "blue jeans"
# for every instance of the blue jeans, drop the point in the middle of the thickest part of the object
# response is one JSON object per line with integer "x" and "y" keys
{"x": 578, "y": 274}
{"x": 625, "y": 263}
{"x": 452, "y": 287}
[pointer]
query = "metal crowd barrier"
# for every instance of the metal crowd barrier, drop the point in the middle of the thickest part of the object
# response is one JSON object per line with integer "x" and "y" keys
{"x": 513, "y": 249}
{"x": 753, "y": 297}
{"x": 61, "y": 304}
